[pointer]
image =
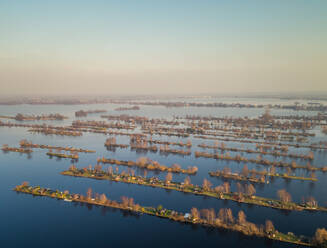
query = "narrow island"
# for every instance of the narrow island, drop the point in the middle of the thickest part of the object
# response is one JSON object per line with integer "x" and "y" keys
{"x": 50, "y": 131}
{"x": 49, "y": 117}
{"x": 84, "y": 113}
{"x": 6, "y": 148}
{"x": 259, "y": 160}
{"x": 111, "y": 143}
{"x": 244, "y": 194}
{"x": 251, "y": 175}
{"x": 73, "y": 155}
{"x": 222, "y": 146}
{"x": 127, "y": 108}
{"x": 29, "y": 144}
{"x": 313, "y": 146}
{"x": 149, "y": 164}
{"x": 205, "y": 217}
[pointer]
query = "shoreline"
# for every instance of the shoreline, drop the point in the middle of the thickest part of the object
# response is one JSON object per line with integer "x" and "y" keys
{"x": 196, "y": 190}
{"x": 162, "y": 213}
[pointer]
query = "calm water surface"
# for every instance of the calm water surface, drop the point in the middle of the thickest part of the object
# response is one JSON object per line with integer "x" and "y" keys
{"x": 28, "y": 221}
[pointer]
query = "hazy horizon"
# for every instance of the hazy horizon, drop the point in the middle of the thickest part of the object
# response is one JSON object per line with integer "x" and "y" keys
{"x": 168, "y": 47}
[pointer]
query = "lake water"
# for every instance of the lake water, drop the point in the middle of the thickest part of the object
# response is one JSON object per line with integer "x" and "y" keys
{"x": 28, "y": 221}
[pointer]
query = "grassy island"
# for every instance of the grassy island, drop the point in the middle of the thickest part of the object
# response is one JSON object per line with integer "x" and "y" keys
{"x": 259, "y": 160}
{"x": 223, "y": 219}
{"x": 24, "y": 117}
{"x": 145, "y": 148}
{"x": 102, "y": 124}
{"x": 25, "y": 144}
{"x": 162, "y": 133}
{"x": 219, "y": 192}
{"x": 160, "y": 142}
{"x": 111, "y": 143}
{"x": 63, "y": 155}
{"x": 50, "y": 131}
{"x": 250, "y": 176}
{"x": 84, "y": 113}
{"x": 6, "y": 148}
{"x": 148, "y": 164}
{"x": 166, "y": 150}
{"x": 236, "y": 176}
{"x": 138, "y": 142}
{"x": 312, "y": 146}
{"x": 222, "y": 147}
{"x": 285, "y": 176}
{"x": 127, "y": 108}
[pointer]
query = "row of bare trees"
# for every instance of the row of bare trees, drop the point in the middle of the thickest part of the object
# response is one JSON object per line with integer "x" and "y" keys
{"x": 247, "y": 189}
{"x": 222, "y": 146}
{"x": 259, "y": 160}
{"x": 126, "y": 202}
{"x": 225, "y": 217}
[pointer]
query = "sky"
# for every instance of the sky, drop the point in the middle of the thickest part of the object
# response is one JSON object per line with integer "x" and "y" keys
{"x": 162, "y": 46}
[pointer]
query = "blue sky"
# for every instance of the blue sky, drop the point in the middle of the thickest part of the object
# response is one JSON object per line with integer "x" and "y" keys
{"x": 162, "y": 46}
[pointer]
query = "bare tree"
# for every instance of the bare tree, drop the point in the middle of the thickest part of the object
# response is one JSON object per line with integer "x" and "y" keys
{"x": 124, "y": 201}
{"x": 239, "y": 188}
{"x": 195, "y": 213}
{"x": 272, "y": 170}
{"x": 311, "y": 202}
{"x": 241, "y": 217}
{"x": 131, "y": 202}
{"x": 269, "y": 227}
{"x": 212, "y": 215}
{"x": 321, "y": 236}
{"x": 250, "y": 190}
{"x": 25, "y": 184}
{"x": 219, "y": 189}
{"x": 176, "y": 167}
{"x": 187, "y": 181}
{"x": 245, "y": 171}
{"x": 229, "y": 216}
{"x": 103, "y": 199}
{"x": 311, "y": 155}
{"x": 142, "y": 161}
{"x": 169, "y": 177}
{"x": 226, "y": 215}
{"x": 284, "y": 196}
{"x": 206, "y": 184}
{"x": 89, "y": 194}
{"x": 226, "y": 170}
{"x": 205, "y": 214}
{"x": 226, "y": 187}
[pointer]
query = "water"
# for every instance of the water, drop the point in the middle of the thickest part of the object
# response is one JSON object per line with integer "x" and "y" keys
{"x": 28, "y": 221}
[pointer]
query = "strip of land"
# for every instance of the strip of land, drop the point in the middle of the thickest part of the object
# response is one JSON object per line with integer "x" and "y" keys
{"x": 224, "y": 220}
{"x": 262, "y": 179}
{"x": 62, "y": 155}
{"x": 27, "y": 144}
{"x": 218, "y": 192}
